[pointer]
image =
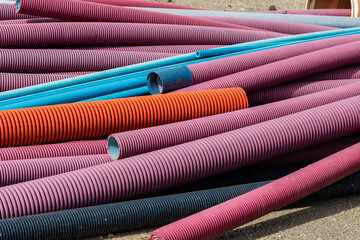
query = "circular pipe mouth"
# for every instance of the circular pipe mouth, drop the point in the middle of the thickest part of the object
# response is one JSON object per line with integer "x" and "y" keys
{"x": 155, "y": 84}
{"x": 18, "y": 5}
{"x": 113, "y": 148}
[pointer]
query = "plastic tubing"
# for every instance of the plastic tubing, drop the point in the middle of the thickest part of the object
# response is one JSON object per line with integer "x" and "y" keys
{"x": 29, "y": 21}
{"x": 63, "y": 60}
{"x": 7, "y": 12}
{"x": 13, "y": 172}
{"x": 159, "y": 64}
{"x": 92, "y": 120}
{"x": 95, "y": 12}
{"x": 273, "y": 26}
{"x": 100, "y": 34}
{"x": 54, "y": 150}
{"x": 325, "y": 12}
{"x": 295, "y": 89}
{"x": 174, "y": 166}
{"x": 349, "y": 72}
{"x": 330, "y": 21}
{"x": 208, "y": 70}
{"x": 240, "y": 210}
{"x": 286, "y": 70}
{"x": 122, "y": 145}
{"x": 142, "y": 91}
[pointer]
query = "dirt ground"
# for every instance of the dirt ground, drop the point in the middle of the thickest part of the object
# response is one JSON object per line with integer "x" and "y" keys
{"x": 324, "y": 220}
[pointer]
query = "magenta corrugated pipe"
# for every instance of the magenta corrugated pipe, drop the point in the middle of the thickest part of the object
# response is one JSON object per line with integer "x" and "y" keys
{"x": 65, "y": 60}
{"x": 350, "y": 72}
{"x": 272, "y": 25}
{"x": 226, "y": 216}
{"x": 65, "y": 149}
{"x": 81, "y": 11}
{"x": 162, "y": 169}
{"x": 286, "y": 70}
{"x": 100, "y": 34}
{"x": 295, "y": 89}
{"x": 158, "y": 48}
{"x": 137, "y": 3}
{"x": 7, "y": 12}
{"x": 202, "y": 72}
{"x": 10, "y": 81}
{"x": 29, "y": 21}
{"x": 126, "y": 144}
{"x": 324, "y": 12}
{"x": 12, "y": 172}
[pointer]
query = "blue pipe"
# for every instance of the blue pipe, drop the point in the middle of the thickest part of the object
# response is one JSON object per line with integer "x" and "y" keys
{"x": 142, "y": 91}
{"x": 157, "y": 64}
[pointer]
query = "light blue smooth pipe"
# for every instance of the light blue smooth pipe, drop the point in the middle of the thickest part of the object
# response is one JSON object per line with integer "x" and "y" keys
{"x": 156, "y": 65}
{"x": 142, "y": 91}
{"x": 330, "y": 21}
{"x": 82, "y": 91}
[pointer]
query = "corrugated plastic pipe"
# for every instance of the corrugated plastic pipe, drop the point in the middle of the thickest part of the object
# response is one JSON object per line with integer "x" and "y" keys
{"x": 65, "y": 60}
{"x": 261, "y": 201}
{"x": 208, "y": 70}
{"x": 165, "y": 63}
{"x": 10, "y": 81}
{"x": 273, "y": 26}
{"x": 330, "y": 21}
{"x": 126, "y": 144}
{"x": 349, "y": 72}
{"x": 29, "y": 21}
{"x": 105, "y": 34}
{"x": 174, "y": 166}
{"x": 95, "y": 12}
{"x": 142, "y": 91}
{"x": 54, "y": 150}
{"x": 13, "y": 172}
{"x": 7, "y": 12}
{"x": 286, "y": 70}
{"x": 92, "y": 120}
{"x": 325, "y": 12}
{"x": 295, "y": 89}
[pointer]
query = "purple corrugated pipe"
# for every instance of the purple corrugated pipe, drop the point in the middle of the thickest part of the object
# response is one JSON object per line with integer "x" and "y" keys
{"x": 66, "y": 60}
{"x": 295, "y": 89}
{"x": 29, "y": 21}
{"x": 221, "y": 218}
{"x": 273, "y": 26}
{"x": 126, "y": 144}
{"x": 350, "y": 72}
{"x": 10, "y": 81}
{"x": 12, "y": 172}
{"x": 324, "y": 12}
{"x": 202, "y": 72}
{"x": 286, "y": 70}
{"x": 65, "y": 149}
{"x": 162, "y": 169}
{"x": 100, "y": 34}
{"x": 7, "y": 12}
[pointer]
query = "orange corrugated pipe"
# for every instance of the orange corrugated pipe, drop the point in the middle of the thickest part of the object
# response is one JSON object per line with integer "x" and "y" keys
{"x": 92, "y": 120}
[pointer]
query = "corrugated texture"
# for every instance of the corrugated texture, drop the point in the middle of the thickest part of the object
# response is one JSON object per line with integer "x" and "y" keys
{"x": 100, "y": 34}
{"x": 54, "y": 150}
{"x": 325, "y": 12}
{"x": 286, "y": 70}
{"x": 350, "y": 72}
{"x": 7, "y": 12}
{"x": 295, "y": 89}
{"x": 279, "y": 193}
{"x": 151, "y": 139}
{"x": 162, "y": 169}
{"x": 98, "y": 119}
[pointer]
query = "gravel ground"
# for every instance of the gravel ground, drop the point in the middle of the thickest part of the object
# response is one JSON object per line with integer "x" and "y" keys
{"x": 329, "y": 219}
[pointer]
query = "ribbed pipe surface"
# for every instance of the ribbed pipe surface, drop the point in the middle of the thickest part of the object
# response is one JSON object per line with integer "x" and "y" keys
{"x": 279, "y": 193}
{"x": 286, "y": 70}
{"x": 136, "y": 142}
{"x": 29, "y": 21}
{"x": 295, "y": 89}
{"x": 170, "y": 167}
{"x": 61, "y": 60}
{"x": 217, "y": 68}
{"x": 54, "y": 150}
{"x": 95, "y": 12}
{"x": 10, "y": 81}
{"x": 100, "y": 34}
{"x": 350, "y": 72}
{"x": 273, "y": 26}
{"x": 7, "y": 12}
{"x": 93, "y": 120}
{"x": 325, "y": 12}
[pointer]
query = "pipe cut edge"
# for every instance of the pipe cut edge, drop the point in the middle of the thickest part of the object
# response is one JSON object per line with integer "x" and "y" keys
{"x": 113, "y": 148}
{"x": 17, "y": 5}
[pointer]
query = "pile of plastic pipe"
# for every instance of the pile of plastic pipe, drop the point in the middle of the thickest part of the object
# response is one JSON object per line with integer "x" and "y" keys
{"x": 239, "y": 103}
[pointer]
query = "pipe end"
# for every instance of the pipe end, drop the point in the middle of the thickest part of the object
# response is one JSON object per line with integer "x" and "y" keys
{"x": 17, "y": 5}
{"x": 113, "y": 148}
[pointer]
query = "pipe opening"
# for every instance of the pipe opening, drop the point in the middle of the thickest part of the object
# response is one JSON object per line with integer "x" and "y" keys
{"x": 18, "y": 5}
{"x": 113, "y": 148}
{"x": 155, "y": 84}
